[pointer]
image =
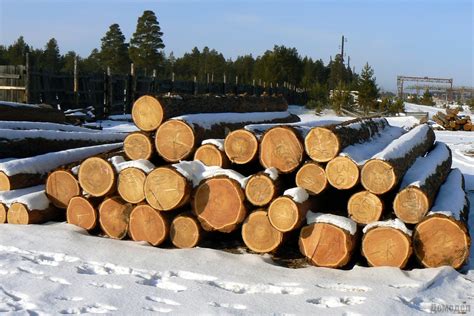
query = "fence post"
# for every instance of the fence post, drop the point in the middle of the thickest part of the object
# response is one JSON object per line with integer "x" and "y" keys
{"x": 223, "y": 85}
{"x": 155, "y": 89}
{"x": 76, "y": 83}
{"x": 172, "y": 83}
{"x": 236, "y": 89}
{"x": 195, "y": 88}
{"x": 253, "y": 87}
{"x": 27, "y": 79}
{"x": 207, "y": 83}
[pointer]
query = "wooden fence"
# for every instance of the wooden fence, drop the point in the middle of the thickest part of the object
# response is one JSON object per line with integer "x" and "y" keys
{"x": 111, "y": 93}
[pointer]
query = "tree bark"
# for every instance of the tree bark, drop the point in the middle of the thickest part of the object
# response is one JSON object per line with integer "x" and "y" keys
{"x": 324, "y": 143}
{"x": 31, "y": 113}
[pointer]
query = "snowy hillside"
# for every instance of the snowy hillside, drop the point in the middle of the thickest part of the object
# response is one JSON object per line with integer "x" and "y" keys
{"x": 59, "y": 269}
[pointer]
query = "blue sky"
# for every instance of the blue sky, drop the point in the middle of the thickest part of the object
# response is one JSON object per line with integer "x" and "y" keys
{"x": 418, "y": 37}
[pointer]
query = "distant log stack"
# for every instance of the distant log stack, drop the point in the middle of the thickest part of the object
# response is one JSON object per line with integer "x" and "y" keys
{"x": 385, "y": 170}
{"x": 442, "y": 237}
{"x": 34, "y": 113}
{"x": 452, "y": 121}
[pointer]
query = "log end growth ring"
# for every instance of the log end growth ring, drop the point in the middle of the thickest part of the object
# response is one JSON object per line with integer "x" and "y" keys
{"x": 130, "y": 185}
{"x": 365, "y": 207}
{"x": 166, "y": 189}
{"x": 342, "y": 173}
{"x": 114, "y": 216}
{"x": 147, "y": 224}
{"x": 311, "y": 177}
{"x": 138, "y": 146}
{"x": 175, "y": 140}
{"x": 210, "y": 155}
{"x": 4, "y": 182}
{"x": 81, "y": 212}
{"x": 3, "y": 214}
{"x": 241, "y": 146}
{"x": 258, "y": 233}
{"x": 378, "y": 177}
{"x": 281, "y": 148}
{"x": 321, "y": 144}
{"x": 18, "y": 214}
{"x": 386, "y": 246}
{"x": 185, "y": 232}
{"x": 260, "y": 190}
{"x": 61, "y": 187}
{"x": 147, "y": 113}
{"x": 411, "y": 205}
{"x": 96, "y": 176}
{"x": 283, "y": 214}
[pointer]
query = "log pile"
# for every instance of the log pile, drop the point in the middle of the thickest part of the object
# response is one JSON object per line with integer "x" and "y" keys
{"x": 452, "y": 121}
{"x": 360, "y": 191}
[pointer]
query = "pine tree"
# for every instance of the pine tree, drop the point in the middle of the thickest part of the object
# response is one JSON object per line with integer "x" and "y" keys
{"x": 368, "y": 90}
{"x": 51, "y": 59}
{"x": 114, "y": 50}
{"x": 427, "y": 99}
{"x": 341, "y": 98}
{"x": 146, "y": 42}
{"x": 16, "y": 53}
{"x": 92, "y": 63}
{"x": 68, "y": 61}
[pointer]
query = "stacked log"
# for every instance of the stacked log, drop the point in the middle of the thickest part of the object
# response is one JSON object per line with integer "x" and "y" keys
{"x": 452, "y": 121}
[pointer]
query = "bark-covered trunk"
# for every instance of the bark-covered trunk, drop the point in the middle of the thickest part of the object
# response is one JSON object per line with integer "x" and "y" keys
{"x": 33, "y": 113}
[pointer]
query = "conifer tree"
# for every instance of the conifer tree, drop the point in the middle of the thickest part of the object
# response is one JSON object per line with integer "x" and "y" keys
{"x": 114, "y": 50}
{"x": 51, "y": 59}
{"x": 368, "y": 90}
{"x": 146, "y": 43}
{"x": 427, "y": 99}
{"x": 16, "y": 53}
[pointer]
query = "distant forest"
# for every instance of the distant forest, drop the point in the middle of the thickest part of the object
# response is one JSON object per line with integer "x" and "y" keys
{"x": 330, "y": 83}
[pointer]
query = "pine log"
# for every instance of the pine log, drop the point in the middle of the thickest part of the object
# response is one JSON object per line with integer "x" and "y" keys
{"x": 467, "y": 126}
{"x": 10, "y": 111}
{"x": 177, "y": 138}
{"x": 167, "y": 189}
{"x": 3, "y": 213}
{"x": 138, "y": 145}
{"x": 148, "y": 224}
{"x": 149, "y": 112}
{"x": 114, "y": 216}
{"x": 421, "y": 183}
{"x": 442, "y": 237}
{"x": 258, "y": 233}
{"x": 325, "y": 244}
{"x": 385, "y": 170}
{"x": 185, "y": 231}
{"x": 32, "y": 208}
{"x": 211, "y": 153}
{"x": 281, "y": 147}
{"x": 27, "y": 172}
{"x": 82, "y": 212}
{"x": 365, "y": 207}
{"x": 311, "y": 177}
{"x": 131, "y": 180}
{"x": 262, "y": 188}
{"x": 324, "y": 143}
{"x": 61, "y": 186}
{"x": 386, "y": 245}
{"x": 28, "y": 143}
{"x": 287, "y": 212}
{"x": 219, "y": 205}
{"x": 241, "y": 146}
{"x": 97, "y": 177}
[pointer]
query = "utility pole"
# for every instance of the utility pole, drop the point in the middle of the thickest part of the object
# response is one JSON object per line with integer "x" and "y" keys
{"x": 342, "y": 49}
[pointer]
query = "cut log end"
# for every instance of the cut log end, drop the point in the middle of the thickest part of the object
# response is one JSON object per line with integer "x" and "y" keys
{"x": 138, "y": 146}
{"x": 147, "y": 113}
{"x": 148, "y": 224}
{"x": 386, "y": 246}
{"x": 342, "y": 173}
{"x": 284, "y": 214}
{"x": 365, "y": 207}
{"x": 19, "y": 213}
{"x": 175, "y": 140}
{"x": 241, "y": 146}
{"x": 439, "y": 240}
{"x": 114, "y": 216}
{"x": 166, "y": 189}
{"x": 210, "y": 155}
{"x": 258, "y": 233}
{"x": 219, "y": 204}
{"x": 4, "y": 182}
{"x": 130, "y": 185}
{"x": 378, "y": 177}
{"x": 96, "y": 176}
{"x": 312, "y": 177}
{"x": 321, "y": 144}
{"x": 3, "y": 213}
{"x": 281, "y": 148}
{"x": 82, "y": 213}
{"x": 260, "y": 189}
{"x": 411, "y": 205}
{"x": 61, "y": 187}
{"x": 326, "y": 245}
{"x": 185, "y": 232}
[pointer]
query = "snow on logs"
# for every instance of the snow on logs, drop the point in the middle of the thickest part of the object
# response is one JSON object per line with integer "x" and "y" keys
{"x": 211, "y": 153}
{"x": 324, "y": 143}
{"x": 177, "y": 138}
{"x": 26, "y": 172}
{"x": 343, "y": 171}
{"x": 288, "y": 212}
{"x": 328, "y": 240}
{"x": 148, "y": 112}
{"x": 385, "y": 170}
{"x": 28, "y": 143}
{"x": 442, "y": 237}
{"x": 420, "y": 184}
{"x": 387, "y": 243}
{"x": 11, "y": 111}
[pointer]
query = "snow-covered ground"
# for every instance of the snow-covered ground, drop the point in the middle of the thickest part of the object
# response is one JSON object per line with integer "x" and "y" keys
{"x": 59, "y": 269}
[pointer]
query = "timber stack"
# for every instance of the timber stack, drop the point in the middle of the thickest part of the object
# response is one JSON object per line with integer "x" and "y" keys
{"x": 360, "y": 191}
{"x": 453, "y": 121}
